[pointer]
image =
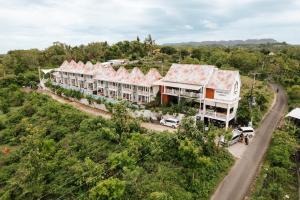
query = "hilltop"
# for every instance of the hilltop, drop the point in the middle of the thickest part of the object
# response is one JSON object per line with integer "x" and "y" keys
{"x": 225, "y": 42}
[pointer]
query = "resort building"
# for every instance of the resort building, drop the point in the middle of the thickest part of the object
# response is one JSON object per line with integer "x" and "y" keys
{"x": 217, "y": 91}
{"x": 102, "y": 80}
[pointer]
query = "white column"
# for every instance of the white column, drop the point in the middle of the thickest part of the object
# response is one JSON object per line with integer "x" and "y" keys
{"x": 227, "y": 117}
{"x": 148, "y": 94}
{"x": 161, "y": 94}
{"x": 179, "y": 95}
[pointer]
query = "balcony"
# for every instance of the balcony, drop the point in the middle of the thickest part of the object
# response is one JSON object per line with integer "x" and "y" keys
{"x": 172, "y": 92}
{"x": 127, "y": 90}
{"x": 111, "y": 87}
{"x": 79, "y": 78}
{"x": 65, "y": 76}
{"x": 217, "y": 115}
{"x": 72, "y": 77}
{"x": 144, "y": 93}
{"x": 99, "y": 85}
{"x": 89, "y": 80}
{"x": 190, "y": 94}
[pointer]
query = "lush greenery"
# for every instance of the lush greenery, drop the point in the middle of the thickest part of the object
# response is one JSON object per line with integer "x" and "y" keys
{"x": 57, "y": 151}
{"x": 278, "y": 176}
{"x": 51, "y": 151}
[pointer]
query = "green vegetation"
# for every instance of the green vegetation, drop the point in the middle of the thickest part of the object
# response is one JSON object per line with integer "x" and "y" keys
{"x": 58, "y": 151}
{"x": 278, "y": 176}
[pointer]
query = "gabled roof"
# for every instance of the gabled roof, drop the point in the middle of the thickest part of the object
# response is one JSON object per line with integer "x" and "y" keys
{"x": 136, "y": 77}
{"x": 106, "y": 73}
{"x": 222, "y": 79}
{"x": 152, "y": 76}
{"x": 121, "y": 74}
{"x": 189, "y": 74}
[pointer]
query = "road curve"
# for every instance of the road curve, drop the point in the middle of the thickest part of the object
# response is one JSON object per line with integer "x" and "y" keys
{"x": 238, "y": 181}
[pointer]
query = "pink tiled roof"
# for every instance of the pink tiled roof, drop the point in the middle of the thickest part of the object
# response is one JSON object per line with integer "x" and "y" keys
{"x": 189, "y": 74}
{"x": 136, "y": 77}
{"x": 106, "y": 73}
{"x": 222, "y": 79}
{"x": 152, "y": 76}
{"x": 121, "y": 75}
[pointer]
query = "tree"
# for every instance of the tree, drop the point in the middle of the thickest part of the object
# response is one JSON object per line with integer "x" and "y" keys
{"x": 168, "y": 50}
{"x": 121, "y": 160}
{"x": 123, "y": 122}
{"x": 160, "y": 196}
{"x": 109, "y": 189}
{"x": 189, "y": 129}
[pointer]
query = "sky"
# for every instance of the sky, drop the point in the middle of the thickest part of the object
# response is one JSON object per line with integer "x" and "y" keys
{"x": 26, "y": 24}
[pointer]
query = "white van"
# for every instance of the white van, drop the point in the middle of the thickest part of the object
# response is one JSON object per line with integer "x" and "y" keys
{"x": 246, "y": 131}
{"x": 174, "y": 123}
{"x": 234, "y": 139}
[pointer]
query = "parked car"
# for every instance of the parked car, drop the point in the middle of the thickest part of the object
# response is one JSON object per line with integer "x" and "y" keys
{"x": 234, "y": 139}
{"x": 246, "y": 131}
{"x": 174, "y": 123}
{"x": 237, "y": 134}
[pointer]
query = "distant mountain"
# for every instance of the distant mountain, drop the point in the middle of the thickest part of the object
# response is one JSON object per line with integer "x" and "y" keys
{"x": 225, "y": 42}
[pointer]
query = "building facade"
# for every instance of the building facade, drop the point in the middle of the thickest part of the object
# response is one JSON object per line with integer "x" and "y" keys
{"x": 217, "y": 91}
{"x": 102, "y": 80}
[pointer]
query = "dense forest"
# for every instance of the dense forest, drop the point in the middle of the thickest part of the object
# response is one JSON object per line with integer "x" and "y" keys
{"x": 58, "y": 152}
{"x": 53, "y": 151}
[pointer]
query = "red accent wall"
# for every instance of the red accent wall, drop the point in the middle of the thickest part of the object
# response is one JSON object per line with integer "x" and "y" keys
{"x": 210, "y": 93}
{"x": 165, "y": 99}
{"x": 161, "y": 89}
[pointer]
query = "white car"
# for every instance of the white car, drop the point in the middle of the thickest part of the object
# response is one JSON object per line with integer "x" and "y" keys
{"x": 174, "y": 123}
{"x": 234, "y": 139}
{"x": 246, "y": 131}
{"x": 237, "y": 134}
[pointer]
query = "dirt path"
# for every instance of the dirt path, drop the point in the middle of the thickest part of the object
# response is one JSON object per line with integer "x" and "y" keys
{"x": 237, "y": 183}
{"x": 104, "y": 114}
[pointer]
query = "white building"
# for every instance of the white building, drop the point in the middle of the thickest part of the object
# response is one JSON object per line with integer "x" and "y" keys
{"x": 216, "y": 90}
{"x": 101, "y": 79}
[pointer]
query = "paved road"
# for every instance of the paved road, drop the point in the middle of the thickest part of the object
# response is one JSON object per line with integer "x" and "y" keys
{"x": 237, "y": 183}
{"x": 104, "y": 114}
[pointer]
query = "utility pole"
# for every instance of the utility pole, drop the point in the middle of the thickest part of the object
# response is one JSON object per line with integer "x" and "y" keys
{"x": 251, "y": 95}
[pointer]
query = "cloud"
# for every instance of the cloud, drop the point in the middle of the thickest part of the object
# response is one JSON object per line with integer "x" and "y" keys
{"x": 37, "y": 23}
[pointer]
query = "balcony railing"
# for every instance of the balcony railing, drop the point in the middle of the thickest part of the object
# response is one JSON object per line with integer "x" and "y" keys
{"x": 172, "y": 91}
{"x": 79, "y": 78}
{"x": 145, "y": 93}
{"x": 217, "y": 115}
{"x": 99, "y": 85}
{"x": 127, "y": 90}
{"x": 111, "y": 87}
{"x": 190, "y": 94}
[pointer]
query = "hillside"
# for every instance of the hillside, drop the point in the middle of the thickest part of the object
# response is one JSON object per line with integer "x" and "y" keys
{"x": 225, "y": 42}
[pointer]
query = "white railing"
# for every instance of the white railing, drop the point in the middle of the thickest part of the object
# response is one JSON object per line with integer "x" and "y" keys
{"x": 127, "y": 90}
{"x": 172, "y": 91}
{"x": 111, "y": 87}
{"x": 190, "y": 94}
{"x": 99, "y": 85}
{"x": 145, "y": 93}
{"x": 80, "y": 78}
{"x": 215, "y": 115}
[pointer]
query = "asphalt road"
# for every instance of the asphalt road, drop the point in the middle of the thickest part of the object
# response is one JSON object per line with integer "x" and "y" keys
{"x": 237, "y": 183}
